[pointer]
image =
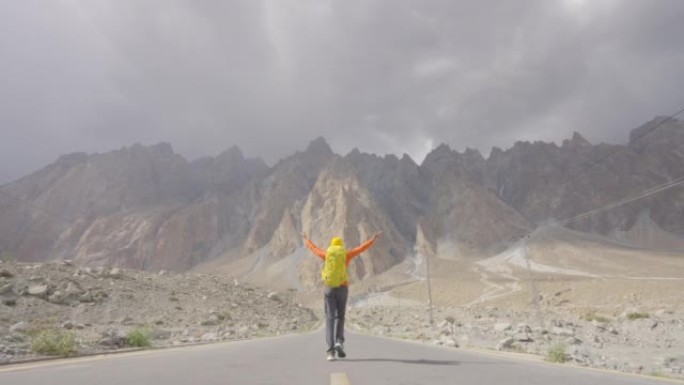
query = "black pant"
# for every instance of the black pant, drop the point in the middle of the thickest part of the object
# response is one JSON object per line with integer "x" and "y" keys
{"x": 335, "y": 306}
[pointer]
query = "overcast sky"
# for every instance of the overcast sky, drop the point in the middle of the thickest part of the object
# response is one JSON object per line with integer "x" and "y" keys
{"x": 388, "y": 76}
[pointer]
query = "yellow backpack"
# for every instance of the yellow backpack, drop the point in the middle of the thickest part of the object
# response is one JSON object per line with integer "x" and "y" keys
{"x": 334, "y": 272}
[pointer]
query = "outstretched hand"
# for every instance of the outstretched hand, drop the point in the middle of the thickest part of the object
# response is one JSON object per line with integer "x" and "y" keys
{"x": 377, "y": 235}
{"x": 304, "y": 235}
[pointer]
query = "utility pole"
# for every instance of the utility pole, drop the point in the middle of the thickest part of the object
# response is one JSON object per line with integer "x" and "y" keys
{"x": 429, "y": 284}
{"x": 533, "y": 287}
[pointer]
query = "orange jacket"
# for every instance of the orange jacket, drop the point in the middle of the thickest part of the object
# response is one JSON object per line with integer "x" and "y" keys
{"x": 350, "y": 253}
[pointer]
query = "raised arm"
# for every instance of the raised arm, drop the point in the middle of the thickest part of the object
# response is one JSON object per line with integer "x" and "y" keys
{"x": 312, "y": 246}
{"x": 363, "y": 247}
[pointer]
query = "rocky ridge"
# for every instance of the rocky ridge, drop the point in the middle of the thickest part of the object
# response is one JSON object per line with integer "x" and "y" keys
{"x": 147, "y": 208}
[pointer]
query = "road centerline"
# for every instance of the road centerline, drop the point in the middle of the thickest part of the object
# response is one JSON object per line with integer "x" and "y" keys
{"x": 339, "y": 379}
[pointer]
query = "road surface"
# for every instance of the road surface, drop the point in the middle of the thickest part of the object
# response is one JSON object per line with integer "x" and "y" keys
{"x": 301, "y": 360}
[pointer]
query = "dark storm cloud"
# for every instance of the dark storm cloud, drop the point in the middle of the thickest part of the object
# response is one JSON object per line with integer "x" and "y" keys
{"x": 384, "y": 76}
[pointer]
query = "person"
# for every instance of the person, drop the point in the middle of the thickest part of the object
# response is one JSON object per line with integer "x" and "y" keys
{"x": 336, "y": 294}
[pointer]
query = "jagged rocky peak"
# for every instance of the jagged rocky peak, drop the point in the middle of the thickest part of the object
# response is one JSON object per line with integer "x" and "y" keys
{"x": 442, "y": 156}
{"x": 406, "y": 158}
{"x": 319, "y": 146}
{"x": 316, "y": 155}
{"x": 233, "y": 154}
{"x": 495, "y": 153}
{"x": 355, "y": 152}
{"x": 473, "y": 153}
{"x": 72, "y": 159}
{"x": 407, "y": 164}
{"x": 659, "y": 129}
{"x": 160, "y": 149}
{"x": 576, "y": 141}
{"x": 649, "y": 126}
{"x": 441, "y": 151}
{"x": 356, "y": 155}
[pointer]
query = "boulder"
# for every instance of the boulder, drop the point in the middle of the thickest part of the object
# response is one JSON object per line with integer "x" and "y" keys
{"x": 160, "y": 334}
{"x": 38, "y": 290}
{"x": 113, "y": 339}
{"x": 6, "y": 289}
{"x": 563, "y": 332}
{"x": 9, "y": 301}
{"x": 86, "y": 297}
{"x": 505, "y": 343}
{"x": 19, "y": 327}
{"x": 72, "y": 289}
{"x": 524, "y": 328}
{"x": 502, "y": 327}
{"x": 58, "y": 298}
{"x": 213, "y": 320}
{"x": 115, "y": 273}
{"x": 274, "y": 296}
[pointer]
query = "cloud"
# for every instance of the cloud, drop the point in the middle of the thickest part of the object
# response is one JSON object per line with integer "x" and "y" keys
{"x": 383, "y": 76}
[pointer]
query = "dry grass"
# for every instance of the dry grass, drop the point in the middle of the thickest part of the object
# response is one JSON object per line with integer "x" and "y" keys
{"x": 637, "y": 315}
{"x": 54, "y": 342}
{"x": 556, "y": 354}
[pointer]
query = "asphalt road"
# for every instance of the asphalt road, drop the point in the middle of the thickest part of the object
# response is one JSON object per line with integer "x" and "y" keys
{"x": 301, "y": 360}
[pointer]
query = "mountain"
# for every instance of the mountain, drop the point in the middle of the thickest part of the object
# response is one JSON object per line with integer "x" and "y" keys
{"x": 148, "y": 207}
{"x": 143, "y": 207}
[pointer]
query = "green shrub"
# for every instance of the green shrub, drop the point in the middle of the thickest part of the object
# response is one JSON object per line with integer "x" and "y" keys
{"x": 556, "y": 354}
{"x": 594, "y": 317}
{"x": 656, "y": 373}
{"x": 53, "y": 342}
{"x": 139, "y": 338}
{"x": 7, "y": 256}
{"x": 636, "y": 315}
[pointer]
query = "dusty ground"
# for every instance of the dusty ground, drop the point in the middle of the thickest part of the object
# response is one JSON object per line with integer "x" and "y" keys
{"x": 100, "y": 306}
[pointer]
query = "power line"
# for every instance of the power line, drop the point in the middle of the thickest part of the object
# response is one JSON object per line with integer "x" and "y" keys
{"x": 618, "y": 203}
{"x": 623, "y": 201}
{"x": 609, "y": 206}
{"x": 596, "y": 164}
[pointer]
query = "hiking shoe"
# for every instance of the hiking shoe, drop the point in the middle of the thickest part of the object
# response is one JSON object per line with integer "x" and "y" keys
{"x": 340, "y": 350}
{"x": 331, "y": 355}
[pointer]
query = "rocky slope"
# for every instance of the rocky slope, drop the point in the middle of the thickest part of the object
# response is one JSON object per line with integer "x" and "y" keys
{"x": 100, "y": 306}
{"x": 629, "y": 340}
